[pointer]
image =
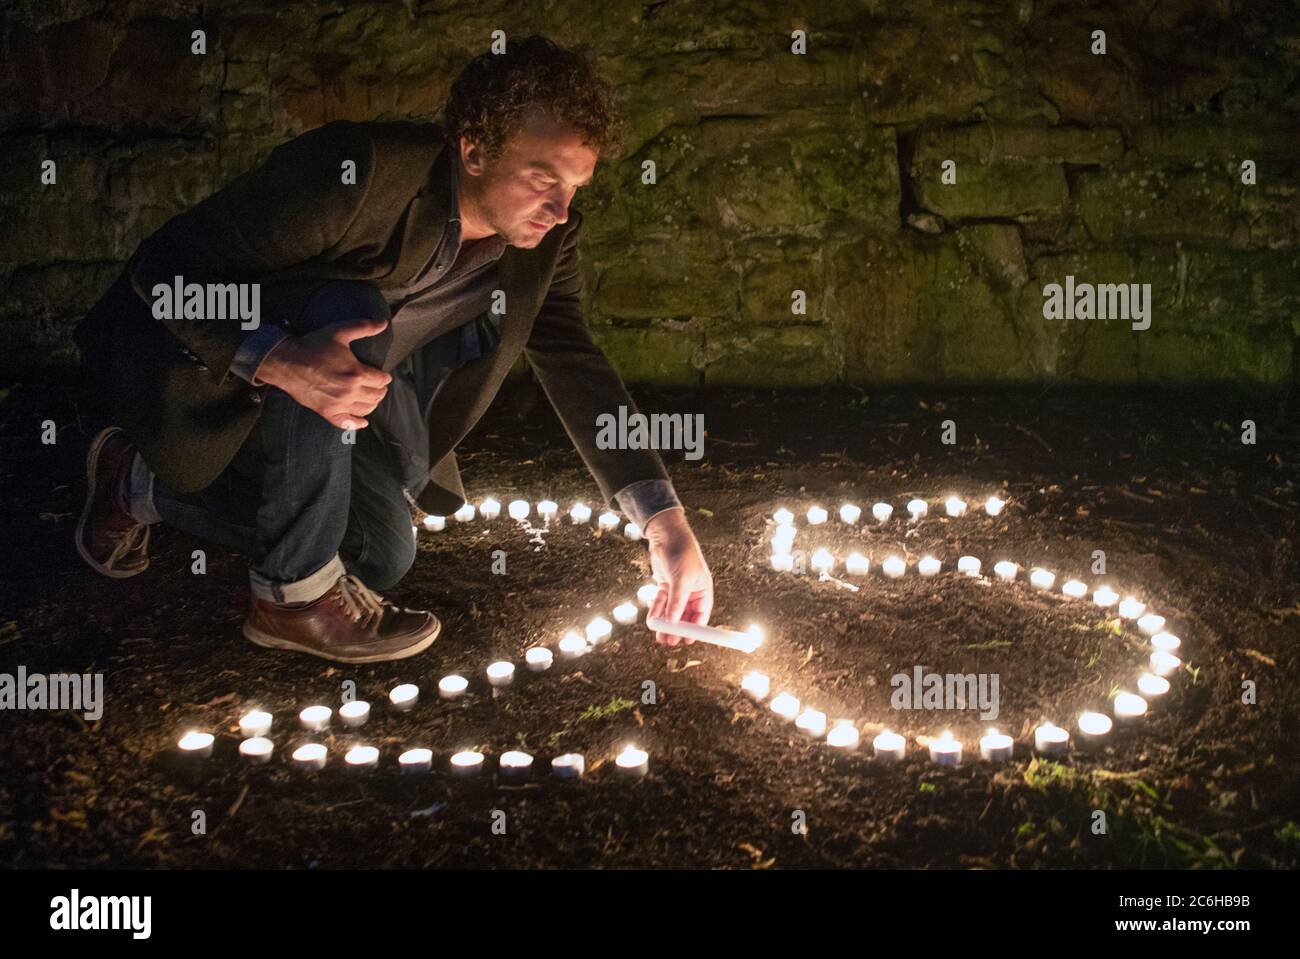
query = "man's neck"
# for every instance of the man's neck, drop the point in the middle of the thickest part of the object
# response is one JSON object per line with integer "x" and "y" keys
{"x": 470, "y": 226}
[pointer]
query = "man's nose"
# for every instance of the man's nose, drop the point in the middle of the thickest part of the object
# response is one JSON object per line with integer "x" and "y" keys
{"x": 558, "y": 208}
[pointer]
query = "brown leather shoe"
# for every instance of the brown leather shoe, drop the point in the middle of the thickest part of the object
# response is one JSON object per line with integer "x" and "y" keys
{"x": 349, "y": 624}
{"x": 108, "y": 536}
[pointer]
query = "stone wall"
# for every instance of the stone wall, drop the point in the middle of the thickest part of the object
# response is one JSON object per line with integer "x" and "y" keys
{"x": 775, "y": 172}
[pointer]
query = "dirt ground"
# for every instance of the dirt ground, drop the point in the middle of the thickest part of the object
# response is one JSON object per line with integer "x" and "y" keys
{"x": 1194, "y": 522}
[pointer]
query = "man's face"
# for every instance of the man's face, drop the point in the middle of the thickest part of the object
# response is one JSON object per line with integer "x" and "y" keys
{"x": 527, "y": 190}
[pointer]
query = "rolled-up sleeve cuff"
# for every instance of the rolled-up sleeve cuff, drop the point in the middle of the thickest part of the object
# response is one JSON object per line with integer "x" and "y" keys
{"x": 644, "y": 500}
{"x": 253, "y": 350}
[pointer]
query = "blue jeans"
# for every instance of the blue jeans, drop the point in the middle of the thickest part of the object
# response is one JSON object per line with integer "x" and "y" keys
{"x": 299, "y": 501}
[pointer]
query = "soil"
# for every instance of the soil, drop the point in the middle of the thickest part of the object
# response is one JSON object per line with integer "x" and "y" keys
{"x": 1197, "y": 524}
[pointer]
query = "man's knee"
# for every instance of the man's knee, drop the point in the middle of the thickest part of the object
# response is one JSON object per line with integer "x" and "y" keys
{"x": 387, "y": 559}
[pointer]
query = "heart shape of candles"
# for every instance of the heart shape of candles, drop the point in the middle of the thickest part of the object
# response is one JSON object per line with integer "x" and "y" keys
{"x": 1049, "y": 739}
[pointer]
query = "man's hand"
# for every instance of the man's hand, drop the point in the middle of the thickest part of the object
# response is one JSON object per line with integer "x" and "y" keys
{"x": 322, "y": 373}
{"x": 678, "y": 565}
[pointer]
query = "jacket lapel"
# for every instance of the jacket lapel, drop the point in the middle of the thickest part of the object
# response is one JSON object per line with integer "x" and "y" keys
{"x": 470, "y": 389}
{"x": 425, "y": 221}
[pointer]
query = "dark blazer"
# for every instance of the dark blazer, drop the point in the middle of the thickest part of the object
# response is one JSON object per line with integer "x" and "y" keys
{"x": 292, "y": 221}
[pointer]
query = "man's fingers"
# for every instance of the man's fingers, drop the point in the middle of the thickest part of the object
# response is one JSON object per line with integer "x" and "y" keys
{"x": 349, "y": 421}
{"x": 678, "y": 597}
{"x": 701, "y": 608}
{"x": 359, "y": 329}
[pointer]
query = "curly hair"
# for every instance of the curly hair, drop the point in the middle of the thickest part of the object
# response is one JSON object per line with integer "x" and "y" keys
{"x": 493, "y": 95}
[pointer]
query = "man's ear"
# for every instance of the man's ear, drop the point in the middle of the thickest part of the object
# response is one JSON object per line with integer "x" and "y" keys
{"x": 471, "y": 157}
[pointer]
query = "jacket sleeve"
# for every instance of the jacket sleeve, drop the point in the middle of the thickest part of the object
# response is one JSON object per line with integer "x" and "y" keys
{"x": 578, "y": 380}
{"x": 291, "y": 209}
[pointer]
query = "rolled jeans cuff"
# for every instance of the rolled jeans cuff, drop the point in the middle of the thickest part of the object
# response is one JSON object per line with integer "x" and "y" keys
{"x": 304, "y": 590}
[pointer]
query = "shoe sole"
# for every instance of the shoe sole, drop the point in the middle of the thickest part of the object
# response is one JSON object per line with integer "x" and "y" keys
{"x": 256, "y": 636}
{"x": 92, "y": 461}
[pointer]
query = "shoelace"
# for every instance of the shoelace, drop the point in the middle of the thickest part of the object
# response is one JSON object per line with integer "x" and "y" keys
{"x": 364, "y": 606}
{"x": 127, "y": 541}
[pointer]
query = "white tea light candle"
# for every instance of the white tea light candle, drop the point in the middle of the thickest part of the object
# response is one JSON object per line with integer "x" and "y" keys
{"x": 435, "y": 524}
{"x": 362, "y": 759}
{"x": 811, "y": 722}
{"x": 538, "y": 659}
{"x": 489, "y": 508}
{"x": 1150, "y": 624}
{"x": 646, "y": 594}
{"x": 465, "y": 514}
{"x": 404, "y": 696}
{"x": 315, "y": 718}
{"x": 568, "y": 766}
{"x": 1051, "y": 740}
{"x": 1151, "y": 685}
{"x": 1165, "y": 642}
{"x": 256, "y": 750}
{"x": 607, "y": 521}
{"x": 822, "y": 561}
{"x": 572, "y": 645}
{"x": 501, "y": 673}
{"x": 518, "y": 509}
{"x": 785, "y": 705}
{"x": 418, "y": 760}
{"x": 1105, "y": 596}
{"x": 969, "y": 565}
{"x": 917, "y": 507}
{"x": 1128, "y": 706}
{"x": 783, "y": 562}
{"x": 547, "y": 509}
{"x": 816, "y": 516}
{"x": 1005, "y": 570}
{"x": 581, "y": 513}
{"x": 1131, "y": 608}
{"x": 255, "y": 723}
{"x": 850, "y": 514}
{"x": 996, "y": 747}
{"x": 889, "y": 746}
{"x": 783, "y": 539}
{"x": 467, "y": 762}
{"x": 310, "y": 757}
{"x": 954, "y": 506}
{"x": 783, "y": 517}
{"x": 354, "y": 713}
{"x": 893, "y": 567}
{"x": 1093, "y": 727}
{"x": 1164, "y": 664}
{"x": 599, "y": 630}
{"x": 1074, "y": 588}
{"x": 882, "y": 512}
{"x": 1041, "y": 578}
{"x": 453, "y": 686}
{"x": 928, "y": 566}
{"x": 515, "y": 764}
{"x": 756, "y": 685}
{"x": 625, "y": 614}
{"x": 856, "y": 564}
{"x": 993, "y": 505}
{"x": 632, "y": 762}
{"x": 633, "y": 532}
{"x": 946, "y": 751}
{"x": 196, "y": 744}
{"x": 843, "y": 735}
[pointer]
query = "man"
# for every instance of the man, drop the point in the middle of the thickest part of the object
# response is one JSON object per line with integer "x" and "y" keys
{"x": 382, "y": 252}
